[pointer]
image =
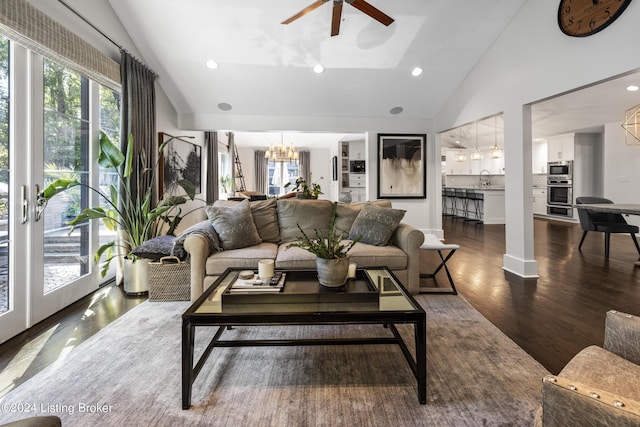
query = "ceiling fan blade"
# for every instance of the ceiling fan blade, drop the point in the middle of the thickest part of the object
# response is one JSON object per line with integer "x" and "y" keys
{"x": 336, "y": 18}
{"x": 304, "y": 11}
{"x": 373, "y": 12}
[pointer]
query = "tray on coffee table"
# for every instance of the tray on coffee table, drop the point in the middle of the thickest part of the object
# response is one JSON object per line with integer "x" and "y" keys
{"x": 302, "y": 286}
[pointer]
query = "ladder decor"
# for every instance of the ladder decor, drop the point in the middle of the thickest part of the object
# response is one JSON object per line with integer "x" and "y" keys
{"x": 238, "y": 176}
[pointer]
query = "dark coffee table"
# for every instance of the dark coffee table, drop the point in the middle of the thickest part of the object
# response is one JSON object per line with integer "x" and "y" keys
{"x": 375, "y": 296}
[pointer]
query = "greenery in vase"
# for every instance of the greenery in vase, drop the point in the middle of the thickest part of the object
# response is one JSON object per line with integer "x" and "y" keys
{"x": 135, "y": 217}
{"x": 310, "y": 191}
{"x": 331, "y": 247}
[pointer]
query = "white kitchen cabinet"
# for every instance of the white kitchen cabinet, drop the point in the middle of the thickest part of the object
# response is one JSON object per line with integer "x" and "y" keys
{"x": 540, "y": 157}
{"x": 349, "y": 182}
{"x": 540, "y": 201}
{"x": 560, "y": 147}
{"x": 356, "y": 150}
{"x": 357, "y": 180}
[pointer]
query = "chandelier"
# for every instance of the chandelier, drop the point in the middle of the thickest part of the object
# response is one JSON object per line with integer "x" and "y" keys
{"x": 281, "y": 153}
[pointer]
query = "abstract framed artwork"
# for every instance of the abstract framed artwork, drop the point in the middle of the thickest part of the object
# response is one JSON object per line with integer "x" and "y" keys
{"x": 402, "y": 164}
{"x": 179, "y": 160}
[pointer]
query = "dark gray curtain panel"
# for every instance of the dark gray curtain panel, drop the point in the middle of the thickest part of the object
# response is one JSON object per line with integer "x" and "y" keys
{"x": 305, "y": 166}
{"x": 211, "y": 145}
{"x": 139, "y": 119}
{"x": 262, "y": 172}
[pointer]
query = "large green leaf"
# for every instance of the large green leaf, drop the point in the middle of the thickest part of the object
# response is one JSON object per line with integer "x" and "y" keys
{"x": 58, "y": 186}
{"x": 110, "y": 156}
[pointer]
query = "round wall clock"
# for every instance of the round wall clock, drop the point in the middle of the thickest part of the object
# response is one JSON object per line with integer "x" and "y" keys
{"x": 581, "y": 18}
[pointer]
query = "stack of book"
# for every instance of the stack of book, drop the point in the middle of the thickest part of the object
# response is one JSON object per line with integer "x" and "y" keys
{"x": 255, "y": 284}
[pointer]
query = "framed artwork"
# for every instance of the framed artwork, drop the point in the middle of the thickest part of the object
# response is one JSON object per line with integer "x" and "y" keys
{"x": 334, "y": 167}
{"x": 179, "y": 160}
{"x": 402, "y": 161}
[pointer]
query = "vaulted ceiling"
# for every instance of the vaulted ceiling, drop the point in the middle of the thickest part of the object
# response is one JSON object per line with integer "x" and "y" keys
{"x": 265, "y": 67}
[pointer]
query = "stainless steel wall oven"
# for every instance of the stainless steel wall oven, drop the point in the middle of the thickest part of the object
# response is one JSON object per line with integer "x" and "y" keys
{"x": 560, "y": 189}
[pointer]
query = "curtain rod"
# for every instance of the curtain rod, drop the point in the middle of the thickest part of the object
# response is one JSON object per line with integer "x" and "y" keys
{"x": 106, "y": 36}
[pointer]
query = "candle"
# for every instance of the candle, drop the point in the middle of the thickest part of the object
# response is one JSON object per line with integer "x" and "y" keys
{"x": 265, "y": 269}
{"x": 352, "y": 271}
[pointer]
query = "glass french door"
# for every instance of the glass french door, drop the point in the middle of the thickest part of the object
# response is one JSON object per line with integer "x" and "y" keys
{"x": 52, "y": 117}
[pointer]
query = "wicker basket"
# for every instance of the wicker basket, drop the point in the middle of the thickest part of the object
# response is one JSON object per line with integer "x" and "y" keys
{"x": 169, "y": 280}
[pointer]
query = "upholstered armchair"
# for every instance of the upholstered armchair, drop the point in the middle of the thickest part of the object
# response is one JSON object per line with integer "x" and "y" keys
{"x": 599, "y": 386}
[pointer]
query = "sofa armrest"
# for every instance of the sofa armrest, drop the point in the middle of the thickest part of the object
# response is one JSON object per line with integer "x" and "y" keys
{"x": 622, "y": 335}
{"x": 569, "y": 403}
{"x": 409, "y": 239}
{"x": 197, "y": 247}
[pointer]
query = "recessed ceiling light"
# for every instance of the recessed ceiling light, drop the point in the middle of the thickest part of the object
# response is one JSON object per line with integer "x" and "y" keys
{"x": 318, "y": 69}
{"x": 632, "y": 88}
{"x": 212, "y": 64}
{"x": 396, "y": 110}
{"x": 224, "y": 106}
{"x": 416, "y": 72}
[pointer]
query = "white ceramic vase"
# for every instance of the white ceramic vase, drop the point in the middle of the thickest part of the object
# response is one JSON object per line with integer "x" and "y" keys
{"x": 332, "y": 273}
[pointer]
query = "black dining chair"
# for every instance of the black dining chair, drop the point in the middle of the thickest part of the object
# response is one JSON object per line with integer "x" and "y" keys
{"x": 603, "y": 222}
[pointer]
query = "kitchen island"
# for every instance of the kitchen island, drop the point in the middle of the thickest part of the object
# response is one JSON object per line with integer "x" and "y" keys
{"x": 492, "y": 206}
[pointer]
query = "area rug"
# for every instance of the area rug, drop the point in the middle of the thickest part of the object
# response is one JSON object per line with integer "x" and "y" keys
{"x": 129, "y": 374}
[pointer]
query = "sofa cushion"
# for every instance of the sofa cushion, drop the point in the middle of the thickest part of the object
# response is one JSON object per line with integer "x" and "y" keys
{"x": 362, "y": 254}
{"x": 234, "y": 225}
{"x": 296, "y": 258}
{"x": 346, "y": 214}
{"x": 376, "y": 224}
{"x": 309, "y": 214}
{"x": 240, "y": 258}
{"x": 265, "y": 217}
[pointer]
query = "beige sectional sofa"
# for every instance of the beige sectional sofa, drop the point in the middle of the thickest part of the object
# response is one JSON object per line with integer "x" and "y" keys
{"x": 228, "y": 239}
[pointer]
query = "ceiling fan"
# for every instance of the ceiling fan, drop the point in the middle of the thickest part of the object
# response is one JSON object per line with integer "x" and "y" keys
{"x": 361, "y": 5}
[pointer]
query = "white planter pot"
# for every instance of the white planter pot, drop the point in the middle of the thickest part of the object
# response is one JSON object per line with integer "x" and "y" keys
{"x": 136, "y": 280}
{"x": 332, "y": 272}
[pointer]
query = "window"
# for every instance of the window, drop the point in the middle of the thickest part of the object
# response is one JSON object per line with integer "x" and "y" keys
{"x": 4, "y": 174}
{"x": 281, "y": 173}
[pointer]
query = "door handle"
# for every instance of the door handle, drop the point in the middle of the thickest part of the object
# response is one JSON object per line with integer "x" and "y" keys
{"x": 25, "y": 204}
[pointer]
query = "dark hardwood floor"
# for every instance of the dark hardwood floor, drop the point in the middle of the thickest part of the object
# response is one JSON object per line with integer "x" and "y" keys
{"x": 552, "y": 318}
{"x": 49, "y": 341}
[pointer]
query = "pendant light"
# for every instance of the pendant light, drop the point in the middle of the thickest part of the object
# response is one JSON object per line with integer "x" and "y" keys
{"x": 476, "y": 154}
{"x": 281, "y": 153}
{"x": 461, "y": 156}
{"x": 496, "y": 152}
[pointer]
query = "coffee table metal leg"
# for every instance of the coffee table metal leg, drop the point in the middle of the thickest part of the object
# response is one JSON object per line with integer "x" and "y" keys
{"x": 420, "y": 330}
{"x": 188, "y": 332}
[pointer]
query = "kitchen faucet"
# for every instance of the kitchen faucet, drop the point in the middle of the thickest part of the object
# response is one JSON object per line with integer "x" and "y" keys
{"x": 487, "y": 182}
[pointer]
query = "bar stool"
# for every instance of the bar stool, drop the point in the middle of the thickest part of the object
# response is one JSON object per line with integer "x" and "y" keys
{"x": 448, "y": 202}
{"x": 461, "y": 195}
{"x": 478, "y": 206}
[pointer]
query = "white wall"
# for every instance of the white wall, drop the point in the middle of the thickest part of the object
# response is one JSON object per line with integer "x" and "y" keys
{"x": 530, "y": 61}
{"x": 621, "y": 169}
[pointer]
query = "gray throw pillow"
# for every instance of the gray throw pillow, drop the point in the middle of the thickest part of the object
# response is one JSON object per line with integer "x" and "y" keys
{"x": 347, "y": 213}
{"x": 234, "y": 225}
{"x": 376, "y": 224}
{"x": 265, "y": 217}
{"x": 157, "y": 247}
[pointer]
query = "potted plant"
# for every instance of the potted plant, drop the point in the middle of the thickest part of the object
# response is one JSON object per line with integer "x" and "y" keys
{"x": 225, "y": 182}
{"x": 332, "y": 253}
{"x": 304, "y": 190}
{"x": 133, "y": 218}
